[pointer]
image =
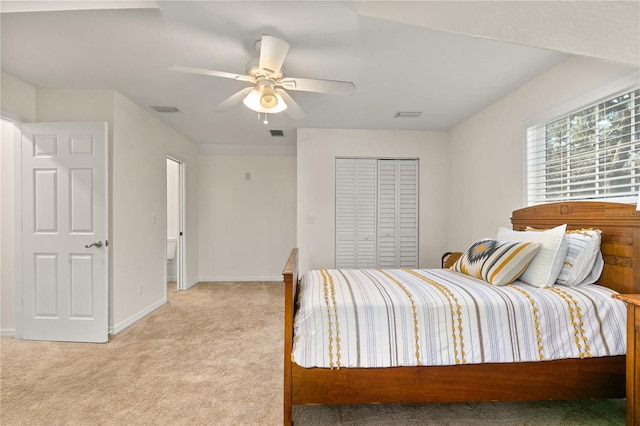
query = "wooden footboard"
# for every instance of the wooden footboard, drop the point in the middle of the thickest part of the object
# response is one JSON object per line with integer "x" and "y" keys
{"x": 548, "y": 380}
{"x": 290, "y": 277}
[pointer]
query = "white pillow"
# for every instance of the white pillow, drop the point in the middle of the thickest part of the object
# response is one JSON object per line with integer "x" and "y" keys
{"x": 546, "y": 266}
{"x": 584, "y": 248}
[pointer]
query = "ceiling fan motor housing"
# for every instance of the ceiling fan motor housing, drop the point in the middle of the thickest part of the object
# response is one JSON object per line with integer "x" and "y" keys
{"x": 253, "y": 69}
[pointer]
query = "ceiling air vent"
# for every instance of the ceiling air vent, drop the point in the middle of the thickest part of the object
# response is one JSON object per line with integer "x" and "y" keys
{"x": 408, "y": 114}
{"x": 277, "y": 133}
{"x": 165, "y": 109}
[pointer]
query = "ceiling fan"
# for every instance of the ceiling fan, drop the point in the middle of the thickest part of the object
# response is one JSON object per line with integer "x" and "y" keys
{"x": 267, "y": 93}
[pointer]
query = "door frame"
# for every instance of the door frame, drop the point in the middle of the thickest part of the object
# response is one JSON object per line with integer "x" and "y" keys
{"x": 17, "y": 210}
{"x": 17, "y": 176}
{"x": 181, "y": 240}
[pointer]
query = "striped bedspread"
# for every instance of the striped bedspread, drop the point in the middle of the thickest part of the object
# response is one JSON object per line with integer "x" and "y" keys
{"x": 398, "y": 317}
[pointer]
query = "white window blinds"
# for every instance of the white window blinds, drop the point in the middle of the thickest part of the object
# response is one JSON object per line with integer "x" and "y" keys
{"x": 589, "y": 154}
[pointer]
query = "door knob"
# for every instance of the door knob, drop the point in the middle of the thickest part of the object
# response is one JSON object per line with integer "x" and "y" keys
{"x": 97, "y": 244}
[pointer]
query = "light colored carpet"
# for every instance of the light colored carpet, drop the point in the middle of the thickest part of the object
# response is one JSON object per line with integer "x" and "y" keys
{"x": 213, "y": 356}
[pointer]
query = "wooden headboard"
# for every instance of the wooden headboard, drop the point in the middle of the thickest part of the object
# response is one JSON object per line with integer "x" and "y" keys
{"x": 620, "y": 225}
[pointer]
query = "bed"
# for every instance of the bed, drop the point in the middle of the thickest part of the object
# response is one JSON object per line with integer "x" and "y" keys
{"x": 593, "y": 377}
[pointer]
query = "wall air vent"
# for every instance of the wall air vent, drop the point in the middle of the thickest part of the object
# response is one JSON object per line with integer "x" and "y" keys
{"x": 277, "y": 133}
{"x": 408, "y": 114}
{"x": 165, "y": 109}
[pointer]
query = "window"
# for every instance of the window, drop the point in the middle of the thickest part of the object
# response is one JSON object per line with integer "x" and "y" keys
{"x": 589, "y": 154}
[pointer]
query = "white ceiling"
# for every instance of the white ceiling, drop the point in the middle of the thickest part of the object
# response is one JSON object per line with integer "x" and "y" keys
{"x": 395, "y": 66}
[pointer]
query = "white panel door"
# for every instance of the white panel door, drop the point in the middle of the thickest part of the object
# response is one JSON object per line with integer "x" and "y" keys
{"x": 64, "y": 232}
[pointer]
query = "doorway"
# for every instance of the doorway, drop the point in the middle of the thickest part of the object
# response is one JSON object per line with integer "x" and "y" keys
{"x": 175, "y": 225}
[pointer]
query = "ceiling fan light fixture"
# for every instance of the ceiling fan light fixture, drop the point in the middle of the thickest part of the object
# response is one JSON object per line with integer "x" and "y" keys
{"x": 252, "y": 101}
{"x": 268, "y": 98}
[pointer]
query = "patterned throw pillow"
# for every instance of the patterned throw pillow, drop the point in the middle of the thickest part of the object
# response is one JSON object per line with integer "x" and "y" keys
{"x": 497, "y": 262}
{"x": 584, "y": 247}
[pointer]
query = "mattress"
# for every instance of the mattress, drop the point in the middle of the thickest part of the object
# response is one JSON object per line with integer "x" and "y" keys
{"x": 400, "y": 317}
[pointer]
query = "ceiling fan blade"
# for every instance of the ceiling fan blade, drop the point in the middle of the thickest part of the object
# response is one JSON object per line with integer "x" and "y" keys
{"x": 234, "y": 99}
{"x": 212, "y": 73}
{"x": 321, "y": 86}
{"x": 293, "y": 109}
{"x": 272, "y": 53}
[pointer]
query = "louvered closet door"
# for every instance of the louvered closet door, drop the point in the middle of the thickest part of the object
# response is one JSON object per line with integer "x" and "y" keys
{"x": 356, "y": 213}
{"x": 387, "y": 214}
{"x": 366, "y": 214}
{"x": 397, "y": 213}
{"x": 345, "y": 213}
{"x": 407, "y": 178}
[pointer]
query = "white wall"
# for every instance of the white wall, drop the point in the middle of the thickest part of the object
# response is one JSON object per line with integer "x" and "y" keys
{"x": 18, "y": 99}
{"x": 486, "y": 163}
{"x": 317, "y": 150}
{"x": 141, "y": 146}
{"x": 247, "y": 227}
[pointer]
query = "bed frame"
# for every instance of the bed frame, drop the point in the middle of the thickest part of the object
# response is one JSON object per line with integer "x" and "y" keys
{"x": 547, "y": 380}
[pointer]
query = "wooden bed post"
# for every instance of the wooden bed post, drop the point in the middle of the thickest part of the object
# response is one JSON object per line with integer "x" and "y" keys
{"x": 290, "y": 277}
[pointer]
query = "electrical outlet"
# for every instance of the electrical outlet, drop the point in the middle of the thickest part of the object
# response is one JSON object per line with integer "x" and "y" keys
{"x": 140, "y": 289}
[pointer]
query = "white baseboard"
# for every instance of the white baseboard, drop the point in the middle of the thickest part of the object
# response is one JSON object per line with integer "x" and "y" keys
{"x": 192, "y": 283}
{"x": 136, "y": 317}
{"x": 172, "y": 278}
{"x": 240, "y": 279}
{"x": 7, "y": 332}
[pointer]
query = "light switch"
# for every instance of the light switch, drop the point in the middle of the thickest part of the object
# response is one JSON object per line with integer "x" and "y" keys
{"x": 247, "y": 176}
{"x": 311, "y": 220}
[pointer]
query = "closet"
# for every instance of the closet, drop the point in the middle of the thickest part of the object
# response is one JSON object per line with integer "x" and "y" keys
{"x": 376, "y": 213}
